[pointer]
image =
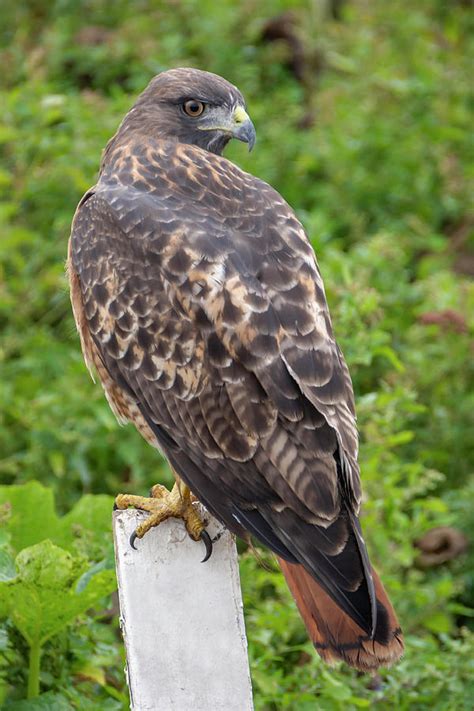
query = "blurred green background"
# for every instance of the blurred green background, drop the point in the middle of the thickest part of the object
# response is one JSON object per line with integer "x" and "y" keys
{"x": 363, "y": 112}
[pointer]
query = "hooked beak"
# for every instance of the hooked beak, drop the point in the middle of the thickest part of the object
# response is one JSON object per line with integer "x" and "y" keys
{"x": 236, "y": 125}
{"x": 243, "y": 128}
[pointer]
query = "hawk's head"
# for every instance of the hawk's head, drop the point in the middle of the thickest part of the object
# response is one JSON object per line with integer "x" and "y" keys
{"x": 191, "y": 106}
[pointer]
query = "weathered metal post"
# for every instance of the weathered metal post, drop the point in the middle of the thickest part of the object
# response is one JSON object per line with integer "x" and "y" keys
{"x": 182, "y": 621}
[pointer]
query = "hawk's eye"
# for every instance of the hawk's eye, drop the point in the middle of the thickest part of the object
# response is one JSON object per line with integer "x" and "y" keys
{"x": 193, "y": 107}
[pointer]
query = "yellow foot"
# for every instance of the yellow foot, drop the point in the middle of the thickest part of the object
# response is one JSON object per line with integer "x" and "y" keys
{"x": 163, "y": 504}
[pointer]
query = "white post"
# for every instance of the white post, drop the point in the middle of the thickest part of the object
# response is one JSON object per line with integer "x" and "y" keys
{"x": 182, "y": 621}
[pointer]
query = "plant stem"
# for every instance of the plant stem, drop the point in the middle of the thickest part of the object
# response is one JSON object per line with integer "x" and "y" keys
{"x": 34, "y": 670}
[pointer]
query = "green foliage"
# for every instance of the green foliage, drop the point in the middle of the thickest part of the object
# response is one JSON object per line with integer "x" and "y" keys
{"x": 382, "y": 179}
{"x": 44, "y": 588}
{"x": 47, "y": 592}
{"x": 34, "y": 504}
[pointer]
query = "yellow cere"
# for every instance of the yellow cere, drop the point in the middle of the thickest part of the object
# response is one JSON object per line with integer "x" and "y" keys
{"x": 240, "y": 115}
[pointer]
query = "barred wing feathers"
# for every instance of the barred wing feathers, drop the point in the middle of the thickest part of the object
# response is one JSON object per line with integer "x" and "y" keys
{"x": 199, "y": 301}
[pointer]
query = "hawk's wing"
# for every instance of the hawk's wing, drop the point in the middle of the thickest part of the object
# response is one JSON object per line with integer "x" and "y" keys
{"x": 203, "y": 301}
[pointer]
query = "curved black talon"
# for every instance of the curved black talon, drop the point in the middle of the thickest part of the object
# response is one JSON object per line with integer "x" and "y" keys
{"x": 205, "y": 537}
{"x": 133, "y": 538}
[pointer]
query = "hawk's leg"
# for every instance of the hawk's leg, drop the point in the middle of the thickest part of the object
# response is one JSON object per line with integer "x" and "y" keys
{"x": 163, "y": 504}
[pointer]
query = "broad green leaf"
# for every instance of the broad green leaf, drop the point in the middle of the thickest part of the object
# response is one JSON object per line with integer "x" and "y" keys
{"x": 106, "y": 564}
{"x": 32, "y": 518}
{"x": 93, "y": 513}
{"x": 44, "y": 596}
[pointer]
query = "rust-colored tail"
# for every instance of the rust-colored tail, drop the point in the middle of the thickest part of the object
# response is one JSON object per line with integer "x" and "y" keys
{"x": 334, "y": 634}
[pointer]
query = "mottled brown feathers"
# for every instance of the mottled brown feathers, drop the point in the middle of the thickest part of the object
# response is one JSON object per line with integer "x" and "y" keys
{"x": 200, "y": 304}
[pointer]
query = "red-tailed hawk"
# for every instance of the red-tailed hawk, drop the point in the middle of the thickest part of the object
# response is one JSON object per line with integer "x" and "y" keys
{"x": 200, "y": 304}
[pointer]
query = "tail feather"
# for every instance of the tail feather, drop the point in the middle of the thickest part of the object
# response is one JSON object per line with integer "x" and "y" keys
{"x": 335, "y": 635}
